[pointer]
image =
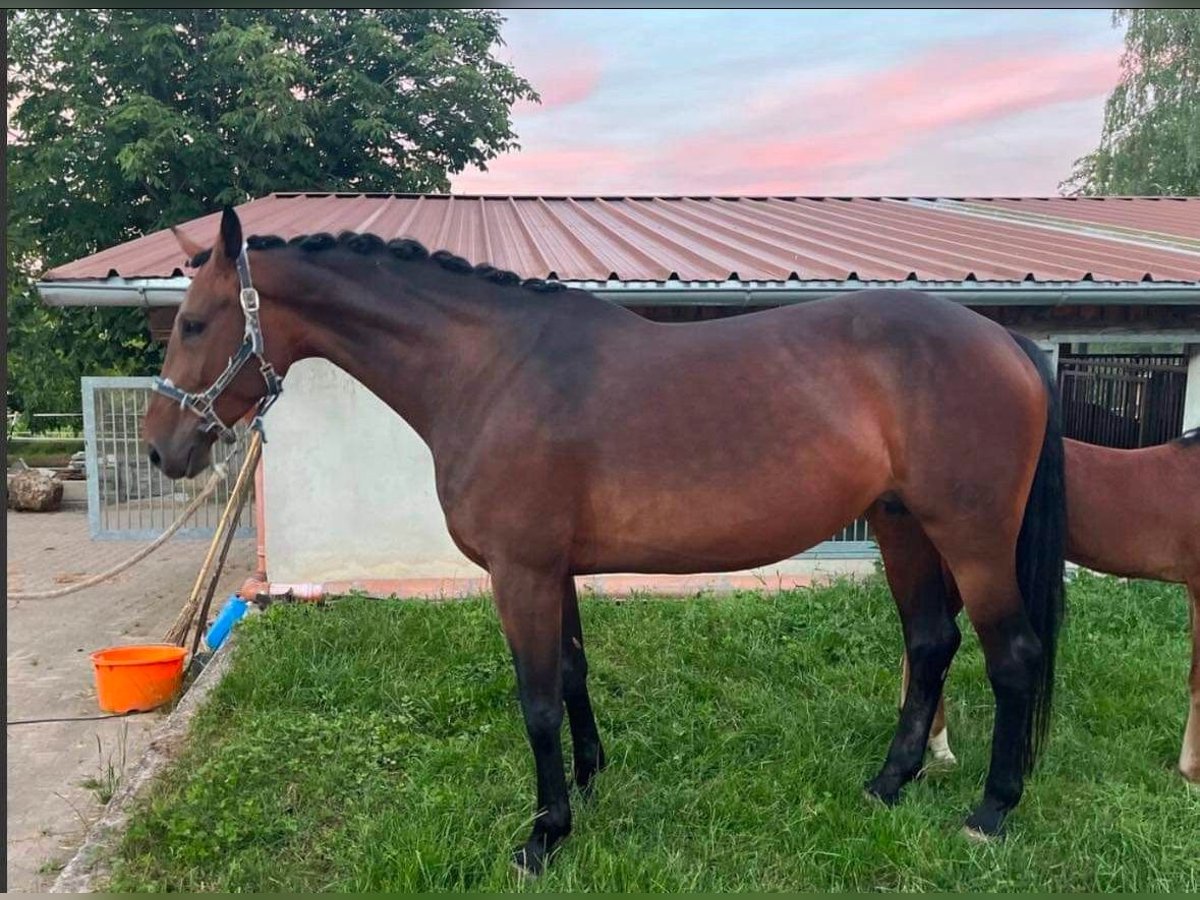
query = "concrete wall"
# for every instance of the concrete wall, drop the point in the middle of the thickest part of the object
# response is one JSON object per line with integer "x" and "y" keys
{"x": 349, "y": 490}
{"x": 349, "y": 496}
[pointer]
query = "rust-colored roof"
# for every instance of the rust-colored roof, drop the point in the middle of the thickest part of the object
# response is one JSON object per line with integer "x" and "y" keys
{"x": 733, "y": 238}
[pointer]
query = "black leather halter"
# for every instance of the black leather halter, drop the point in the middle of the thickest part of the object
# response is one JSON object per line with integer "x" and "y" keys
{"x": 252, "y": 346}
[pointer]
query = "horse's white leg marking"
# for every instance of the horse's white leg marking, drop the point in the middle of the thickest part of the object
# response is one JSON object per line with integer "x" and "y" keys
{"x": 939, "y": 746}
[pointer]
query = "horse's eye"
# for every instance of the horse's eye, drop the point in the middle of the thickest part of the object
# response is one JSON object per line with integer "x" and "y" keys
{"x": 191, "y": 327}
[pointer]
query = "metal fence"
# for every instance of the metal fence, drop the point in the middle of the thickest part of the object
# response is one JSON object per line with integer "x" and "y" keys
{"x": 1123, "y": 400}
{"x": 852, "y": 542}
{"x": 129, "y": 498}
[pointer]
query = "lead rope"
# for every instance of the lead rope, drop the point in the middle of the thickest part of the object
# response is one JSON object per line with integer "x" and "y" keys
{"x": 202, "y": 405}
{"x": 218, "y": 475}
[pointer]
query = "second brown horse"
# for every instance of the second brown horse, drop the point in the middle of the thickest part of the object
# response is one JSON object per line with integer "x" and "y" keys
{"x": 1134, "y": 513}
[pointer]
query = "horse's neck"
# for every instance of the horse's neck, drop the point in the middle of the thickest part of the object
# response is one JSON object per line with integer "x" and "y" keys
{"x": 424, "y": 344}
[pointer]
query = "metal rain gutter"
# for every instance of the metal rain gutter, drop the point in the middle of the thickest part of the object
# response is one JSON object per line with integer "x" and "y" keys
{"x": 143, "y": 292}
{"x": 148, "y": 292}
{"x": 772, "y": 293}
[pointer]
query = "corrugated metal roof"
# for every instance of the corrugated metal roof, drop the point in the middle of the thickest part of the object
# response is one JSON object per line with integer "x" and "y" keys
{"x": 733, "y": 238}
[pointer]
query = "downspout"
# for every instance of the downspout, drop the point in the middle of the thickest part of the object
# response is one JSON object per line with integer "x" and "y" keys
{"x": 257, "y": 583}
{"x": 260, "y": 523}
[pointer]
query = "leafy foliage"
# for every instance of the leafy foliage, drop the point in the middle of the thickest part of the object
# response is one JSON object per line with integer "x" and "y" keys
{"x": 1151, "y": 140}
{"x": 134, "y": 119}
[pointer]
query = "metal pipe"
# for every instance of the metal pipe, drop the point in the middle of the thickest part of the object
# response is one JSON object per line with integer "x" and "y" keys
{"x": 143, "y": 292}
{"x": 260, "y": 521}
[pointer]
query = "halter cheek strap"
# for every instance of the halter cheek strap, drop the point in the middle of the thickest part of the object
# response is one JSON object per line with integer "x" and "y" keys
{"x": 252, "y": 346}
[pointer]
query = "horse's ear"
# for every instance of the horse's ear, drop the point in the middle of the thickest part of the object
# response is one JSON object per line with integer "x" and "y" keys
{"x": 186, "y": 244}
{"x": 229, "y": 241}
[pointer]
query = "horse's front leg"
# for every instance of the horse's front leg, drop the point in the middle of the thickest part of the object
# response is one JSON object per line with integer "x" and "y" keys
{"x": 585, "y": 738}
{"x": 530, "y": 606}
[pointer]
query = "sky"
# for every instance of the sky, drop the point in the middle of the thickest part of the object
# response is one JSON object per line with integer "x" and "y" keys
{"x": 834, "y": 102}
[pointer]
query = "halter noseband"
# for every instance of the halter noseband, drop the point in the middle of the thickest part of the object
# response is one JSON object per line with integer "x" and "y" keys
{"x": 252, "y": 345}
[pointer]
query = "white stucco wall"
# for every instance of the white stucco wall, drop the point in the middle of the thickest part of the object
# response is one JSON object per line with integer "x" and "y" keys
{"x": 349, "y": 489}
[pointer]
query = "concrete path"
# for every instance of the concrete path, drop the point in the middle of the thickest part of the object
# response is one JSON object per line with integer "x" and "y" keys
{"x": 50, "y": 674}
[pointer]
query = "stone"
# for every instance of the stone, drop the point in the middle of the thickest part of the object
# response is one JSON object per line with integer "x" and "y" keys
{"x": 34, "y": 491}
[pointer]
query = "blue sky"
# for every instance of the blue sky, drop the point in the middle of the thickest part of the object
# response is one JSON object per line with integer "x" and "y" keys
{"x": 811, "y": 102}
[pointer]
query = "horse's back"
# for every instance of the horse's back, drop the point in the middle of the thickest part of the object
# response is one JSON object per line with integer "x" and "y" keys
{"x": 1135, "y": 513}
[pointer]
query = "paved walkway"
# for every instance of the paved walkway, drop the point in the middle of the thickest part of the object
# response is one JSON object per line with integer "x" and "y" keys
{"x": 50, "y": 674}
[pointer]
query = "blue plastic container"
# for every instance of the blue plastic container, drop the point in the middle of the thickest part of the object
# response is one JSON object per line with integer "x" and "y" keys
{"x": 235, "y": 608}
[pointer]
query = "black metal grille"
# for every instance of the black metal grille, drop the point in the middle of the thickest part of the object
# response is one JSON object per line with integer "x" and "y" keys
{"x": 1123, "y": 400}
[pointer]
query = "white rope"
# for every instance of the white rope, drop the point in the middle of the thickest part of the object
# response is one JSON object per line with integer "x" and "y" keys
{"x": 218, "y": 476}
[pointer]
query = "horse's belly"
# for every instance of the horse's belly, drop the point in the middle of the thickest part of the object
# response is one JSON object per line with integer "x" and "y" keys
{"x": 716, "y": 528}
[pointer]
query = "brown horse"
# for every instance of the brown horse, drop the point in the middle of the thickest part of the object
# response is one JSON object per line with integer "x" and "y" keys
{"x": 571, "y": 436}
{"x": 1134, "y": 513}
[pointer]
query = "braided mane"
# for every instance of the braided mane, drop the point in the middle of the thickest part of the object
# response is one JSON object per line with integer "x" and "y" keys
{"x": 404, "y": 249}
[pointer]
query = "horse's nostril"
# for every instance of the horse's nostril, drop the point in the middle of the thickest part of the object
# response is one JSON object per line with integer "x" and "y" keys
{"x": 155, "y": 459}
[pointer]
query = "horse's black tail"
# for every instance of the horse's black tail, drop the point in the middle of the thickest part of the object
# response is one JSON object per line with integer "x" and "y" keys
{"x": 1040, "y": 554}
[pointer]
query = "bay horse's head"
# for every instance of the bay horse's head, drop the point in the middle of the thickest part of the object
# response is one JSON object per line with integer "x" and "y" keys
{"x": 214, "y": 372}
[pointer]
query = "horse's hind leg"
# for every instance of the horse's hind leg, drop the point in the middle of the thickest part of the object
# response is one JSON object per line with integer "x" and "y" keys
{"x": 1189, "y": 757}
{"x": 1014, "y": 658}
{"x": 530, "y": 606}
{"x": 931, "y": 639}
{"x": 939, "y": 734}
{"x": 585, "y": 738}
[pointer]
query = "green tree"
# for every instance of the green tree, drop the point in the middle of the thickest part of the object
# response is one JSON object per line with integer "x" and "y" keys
{"x": 1151, "y": 139}
{"x": 133, "y": 119}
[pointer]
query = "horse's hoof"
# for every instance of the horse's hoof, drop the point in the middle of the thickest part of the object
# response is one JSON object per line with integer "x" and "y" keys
{"x": 528, "y": 866}
{"x": 586, "y": 785}
{"x": 523, "y": 872}
{"x": 531, "y": 859}
{"x": 878, "y": 794}
{"x": 985, "y": 825}
{"x": 975, "y": 836}
{"x": 939, "y": 761}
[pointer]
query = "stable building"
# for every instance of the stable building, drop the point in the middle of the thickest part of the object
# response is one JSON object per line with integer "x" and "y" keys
{"x": 1110, "y": 287}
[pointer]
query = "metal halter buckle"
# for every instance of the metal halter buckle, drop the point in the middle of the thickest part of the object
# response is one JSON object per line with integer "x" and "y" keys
{"x": 202, "y": 403}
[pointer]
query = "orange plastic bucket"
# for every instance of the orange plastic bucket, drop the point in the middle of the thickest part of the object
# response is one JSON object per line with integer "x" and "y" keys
{"x": 137, "y": 677}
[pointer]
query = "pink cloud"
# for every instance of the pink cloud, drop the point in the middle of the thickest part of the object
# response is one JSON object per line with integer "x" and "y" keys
{"x": 962, "y": 86}
{"x": 952, "y": 109}
{"x": 562, "y": 78}
{"x": 829, "y": 130}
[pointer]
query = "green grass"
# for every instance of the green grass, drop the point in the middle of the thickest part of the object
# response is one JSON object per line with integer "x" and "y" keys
{"x": 377, "y": 746}
{"x": 42, "y": 453}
